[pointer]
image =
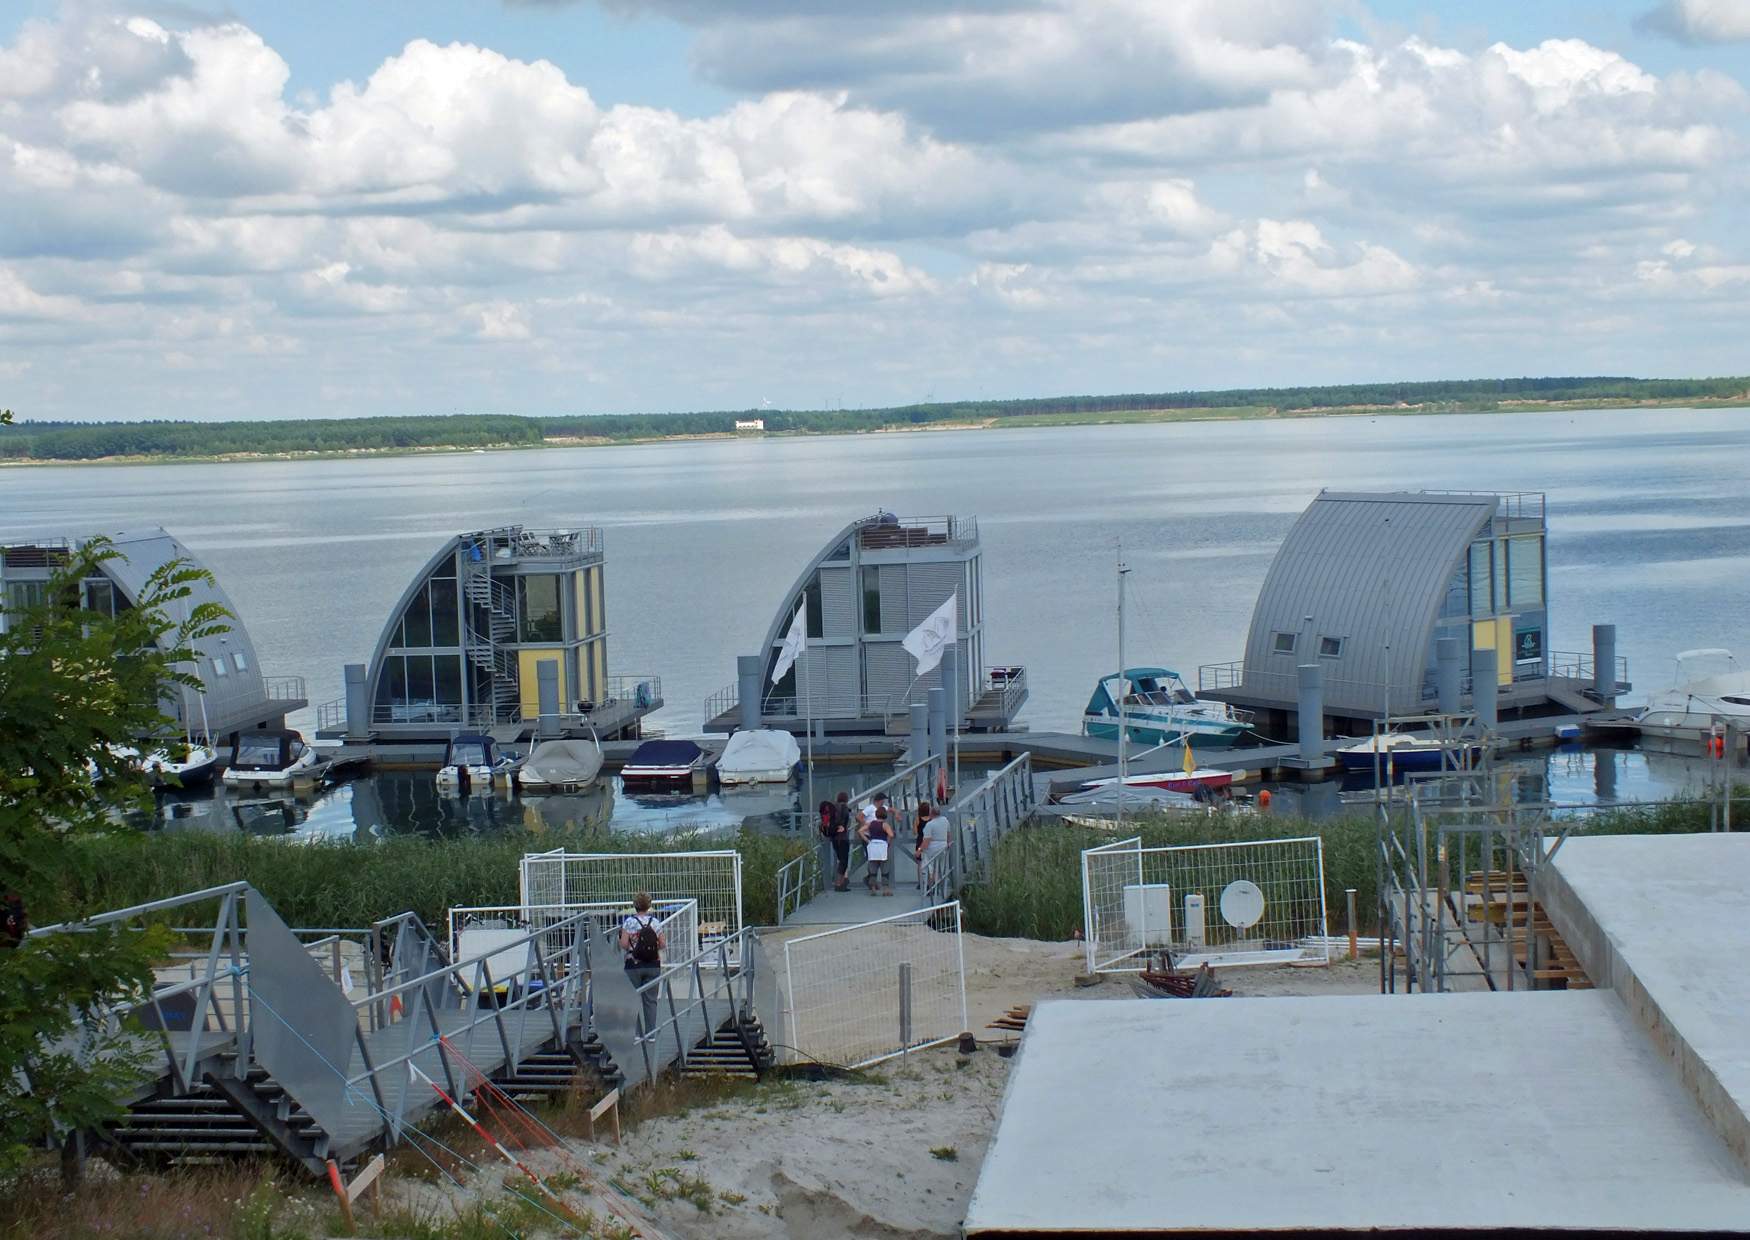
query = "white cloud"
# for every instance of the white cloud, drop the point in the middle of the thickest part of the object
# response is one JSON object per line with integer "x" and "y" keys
{"x": 991, "y": 196}
{"x": 1700, "y": 21}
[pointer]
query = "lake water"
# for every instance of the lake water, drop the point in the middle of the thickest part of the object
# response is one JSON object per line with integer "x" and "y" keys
{"x": 1649, "y": 514}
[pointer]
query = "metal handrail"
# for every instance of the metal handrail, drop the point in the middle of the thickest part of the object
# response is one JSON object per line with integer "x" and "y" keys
{"x": 727, "y": 978}
{"x": 151, "y": 906}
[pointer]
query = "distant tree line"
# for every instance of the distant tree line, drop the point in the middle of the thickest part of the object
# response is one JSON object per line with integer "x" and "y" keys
{"x": 85, "y": 441}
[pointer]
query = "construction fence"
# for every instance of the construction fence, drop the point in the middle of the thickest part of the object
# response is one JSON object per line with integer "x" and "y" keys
{"x": 1258, "y": 902}
{"x": 712, "y": 879}
{"x": 860, "y": 994}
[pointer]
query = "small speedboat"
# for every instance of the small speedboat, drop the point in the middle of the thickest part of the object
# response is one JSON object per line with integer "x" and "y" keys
{"x": 1709, "y": 687}
{"x": 474, "y": 763}
{"x": 175, "y": 766}
{"x": 759, "y": 756}
{"x": 664, "y": 766}
{"x": 1400, "y": 751}
{"x": 1193, "y": 781}
{"x": 275, "y": 759}
{"x": 1158, "y": 709}
{"x": 568, "y": 765}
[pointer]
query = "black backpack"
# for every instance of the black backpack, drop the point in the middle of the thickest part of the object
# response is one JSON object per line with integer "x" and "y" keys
{"x": 646, "y": 947}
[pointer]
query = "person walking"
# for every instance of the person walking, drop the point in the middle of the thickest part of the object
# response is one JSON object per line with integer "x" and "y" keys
{"x": 932, "y": 838}
{"x": 643, "y": 942}
{"x": 877, "y": 836}
{"x": 841, "y": 841}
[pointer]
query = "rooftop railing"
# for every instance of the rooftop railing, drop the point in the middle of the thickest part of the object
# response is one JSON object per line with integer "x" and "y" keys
{"x": 513, "y": 542}
{"x": 284, "y": 688}
{"x": 1510, "y": 504}
{"x": 884, "y": 532}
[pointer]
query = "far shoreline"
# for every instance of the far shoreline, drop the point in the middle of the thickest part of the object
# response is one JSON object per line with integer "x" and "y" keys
{"x": 1138, "y": 417}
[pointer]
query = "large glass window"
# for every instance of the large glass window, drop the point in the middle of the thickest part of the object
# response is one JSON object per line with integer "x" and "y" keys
{"x": 416, "y": 620}
{"x": 816, "y": 622}
{"x": 1481, "y": 602}
{"x": 1525, "y": 572}
{"x": 100, "y": 596}
{"x": 871, "y": 598}
{"x": 445, "y": 626}
{"x": 538, "y": 607}
{"x": 1500, "y": 557}
{"x": 447, "y": 677}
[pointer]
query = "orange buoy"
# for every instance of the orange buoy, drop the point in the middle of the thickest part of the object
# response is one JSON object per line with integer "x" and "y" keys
{"x": 1263, "y": 798}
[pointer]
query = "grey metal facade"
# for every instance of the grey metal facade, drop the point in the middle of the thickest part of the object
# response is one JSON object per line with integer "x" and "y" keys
{"x": 1364, "y": 584}
{"x": 235, "y": 694}
{"x": 875, "y": 581}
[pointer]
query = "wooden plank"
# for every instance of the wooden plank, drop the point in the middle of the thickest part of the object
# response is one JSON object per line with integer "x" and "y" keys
{"x": 367, "y": 1178}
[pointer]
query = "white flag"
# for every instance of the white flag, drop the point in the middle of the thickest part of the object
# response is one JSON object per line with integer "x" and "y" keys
{"x": 791, "y": 650}
{"x": 934, "y": 635}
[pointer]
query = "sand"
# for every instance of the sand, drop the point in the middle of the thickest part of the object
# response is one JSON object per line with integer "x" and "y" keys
{"x": 894, "y": 1156}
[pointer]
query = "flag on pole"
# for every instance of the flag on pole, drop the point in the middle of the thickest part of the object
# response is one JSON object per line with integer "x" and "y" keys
{"x": 1190, "y": 762}
{"x": 934, "y": 635}
{"x": 794, "y": 641}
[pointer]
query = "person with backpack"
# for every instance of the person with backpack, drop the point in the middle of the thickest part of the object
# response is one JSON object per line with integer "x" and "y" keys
{"x": 643, "y": 942}
{"x": 877, "y": 835}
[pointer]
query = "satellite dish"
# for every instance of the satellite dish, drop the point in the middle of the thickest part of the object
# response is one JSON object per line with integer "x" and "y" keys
{"x": 1242, "y": 904}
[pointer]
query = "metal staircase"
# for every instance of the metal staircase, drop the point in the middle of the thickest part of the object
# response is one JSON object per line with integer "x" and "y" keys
{"x": 486, "y": 651}
{"x": 733, "y": 1049}
{"x": 224, "y": 1117}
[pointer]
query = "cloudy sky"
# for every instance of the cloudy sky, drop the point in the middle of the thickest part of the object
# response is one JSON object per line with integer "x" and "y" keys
{"x": 249, "y": 208}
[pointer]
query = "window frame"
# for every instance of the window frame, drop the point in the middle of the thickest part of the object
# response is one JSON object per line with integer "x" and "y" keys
{"x": 1336, "y": 642}
{"x": 1278, "y": 647}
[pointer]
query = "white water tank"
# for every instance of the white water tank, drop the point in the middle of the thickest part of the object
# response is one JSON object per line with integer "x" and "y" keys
{"x": 1148, "y": 910}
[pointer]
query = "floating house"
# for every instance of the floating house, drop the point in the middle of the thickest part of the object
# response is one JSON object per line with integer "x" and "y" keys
{"x": 872, "y": 583}
{"x": 234, "y": 695}
{"x": 1366, "y": 586}
{"x": 500, "y": 629}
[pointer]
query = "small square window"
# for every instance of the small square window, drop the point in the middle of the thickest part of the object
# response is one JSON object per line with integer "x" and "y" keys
{"x": 219, "y": 668}
{"x": 239, "y": 660}
{"x": 1330, "y": 647}
{"x": 1283, "y": 643}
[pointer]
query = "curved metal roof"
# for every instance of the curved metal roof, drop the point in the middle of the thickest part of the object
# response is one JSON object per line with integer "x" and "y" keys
{"x": 792, "y": 598}
{"x": 1372, "y": 570}
{"x": 443, "y": 553}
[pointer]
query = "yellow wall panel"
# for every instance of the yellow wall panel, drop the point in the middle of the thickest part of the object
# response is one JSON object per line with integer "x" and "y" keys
{"x": 601, "y": 613}
{"x": 528, "y": 679}
{"x": 582, "y": 583}
{"x": 1482, "y": 635}
{"x": 1504, "y": 645}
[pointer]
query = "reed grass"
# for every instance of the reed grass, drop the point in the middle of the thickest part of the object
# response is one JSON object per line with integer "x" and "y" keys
{"x": 347, "y": 884}
{"x": 1035, "y": 887}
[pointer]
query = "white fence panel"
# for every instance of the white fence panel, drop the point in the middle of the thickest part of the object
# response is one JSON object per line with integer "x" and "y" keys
{"x": 712, "y": 878}
{"x": 861, "y": 994}
{"x": 1256, "y": 902}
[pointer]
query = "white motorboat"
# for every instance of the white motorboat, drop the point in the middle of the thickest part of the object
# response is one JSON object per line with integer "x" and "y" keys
{"x": 664, "y": 766}
{"x": 185, "y": 765}
{"x": 276, "y": 759}
{"x": 1398, "y": 751}
{"x": 568, "y": 765}
{"x": 1158, "y": 709}
{"x": 759, "y": 756}
{"x": 1709, "y": 687}
{"x": 474, "y": 763}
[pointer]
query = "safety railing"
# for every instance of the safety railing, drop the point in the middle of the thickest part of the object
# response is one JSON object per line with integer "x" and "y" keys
{"x": 1010, "y": 685}
{"x": 984, "y": 815}
{"x": 699, "y": 996}
{"x": 639, "y": 691}
{"x": 284, "y": 688}
{"x": 1284, "y": 686}
{"x": 802, "y": 878}
{"x": 1582, "y": 665}
{"x": 936, "y": 876}
{"x": 883, "y": 532}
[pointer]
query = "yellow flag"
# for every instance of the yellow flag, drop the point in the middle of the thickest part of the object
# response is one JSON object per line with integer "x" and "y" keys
{"x": 1190, "y": 762}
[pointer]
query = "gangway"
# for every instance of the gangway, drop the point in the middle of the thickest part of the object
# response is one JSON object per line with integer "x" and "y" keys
{"x": 265, "y": 1047}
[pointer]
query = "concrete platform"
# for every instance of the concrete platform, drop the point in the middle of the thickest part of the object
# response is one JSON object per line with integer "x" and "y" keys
{"x": 1664, "y": 921}
{"x": 1350, "y": 1113}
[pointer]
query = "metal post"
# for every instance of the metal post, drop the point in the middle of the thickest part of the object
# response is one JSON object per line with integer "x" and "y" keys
{"x": 358, "y": 702}
{"x": 905, "y": 1004}
{"x": 938, "y": 725}
{"x": 1448, "y": 675}
{"x": 547, "y": 697}
{"x": 1354, "y": 942}
{"x": 1604, "y": 662}
{"x": 808, "y": 717}
{"x": 1123, "y": 696}
{"x": 1310, "y": 706}
{"x": 920, "y": 733}
{"x": 748, "y": 672}
{"x": 1485, "y": 687}
{"x": 953, "y": 702}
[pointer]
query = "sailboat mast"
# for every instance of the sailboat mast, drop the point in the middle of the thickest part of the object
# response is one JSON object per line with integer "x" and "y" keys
{"x": 1123, "y": 692}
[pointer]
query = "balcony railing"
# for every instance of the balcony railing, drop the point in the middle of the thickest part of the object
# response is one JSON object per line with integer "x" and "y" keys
{"x": 640, "y": 692}
{"x": 1513, "y": 505}
{"x": 284, "y": 688}
{"x": 886, "y": 532}
{"x": 1368, "y": 695}
{"x": 516, "y": 543}
{"x": 1581, "y": 665}
{"x": 1010, "y": 683}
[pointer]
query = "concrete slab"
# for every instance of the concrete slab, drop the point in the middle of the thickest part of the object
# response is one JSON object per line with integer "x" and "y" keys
{"x": 1349, "y": 1113}
{"x": 1664, "y": 921}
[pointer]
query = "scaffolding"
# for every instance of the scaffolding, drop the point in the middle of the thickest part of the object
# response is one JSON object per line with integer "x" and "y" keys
{"x": 1459, "y": 846}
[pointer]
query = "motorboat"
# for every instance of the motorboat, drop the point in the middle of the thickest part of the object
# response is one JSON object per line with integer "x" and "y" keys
{"x": 273, "y": 759}
{"x": 1159, "y": 709}
{"x": 1190, "y": 778}
{"x": 174, "y": 766}
{"x": 1709, "y": 687}
{"x": 759, "y": 756}
{"x": 1399, "y": 751}
{"x": 567, "y": 765}
{"x": 664, "y": 766}
{"x": 474, "y": 762}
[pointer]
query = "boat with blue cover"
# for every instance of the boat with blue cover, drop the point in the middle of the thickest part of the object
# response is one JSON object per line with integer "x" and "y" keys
{"x": 1160, "y": 710}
